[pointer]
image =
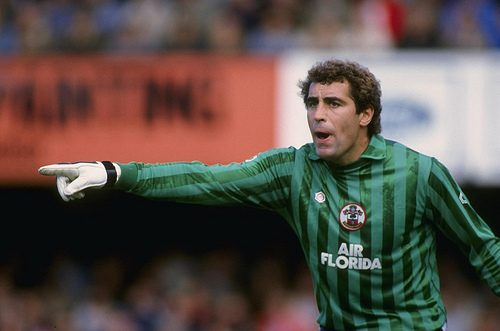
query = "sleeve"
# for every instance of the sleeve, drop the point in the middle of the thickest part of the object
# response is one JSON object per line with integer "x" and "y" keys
{"x": 452, "y": 213}
{"x": 262, "y": 181}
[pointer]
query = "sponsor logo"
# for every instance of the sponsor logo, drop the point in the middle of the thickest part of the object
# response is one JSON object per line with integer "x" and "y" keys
{"x": 350, "y": 256}
{"x": 352, "y": 216}
{"x": 462, "y": 199}
{"x": 405, "y": 116}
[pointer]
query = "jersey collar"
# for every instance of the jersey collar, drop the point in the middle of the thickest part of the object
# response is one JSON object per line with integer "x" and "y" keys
{"x": 376, "y": 150}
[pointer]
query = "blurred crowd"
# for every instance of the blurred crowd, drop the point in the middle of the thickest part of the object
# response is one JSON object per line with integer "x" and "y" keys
{"x": 34, "y": 26}
{"x": 214, "y": 291}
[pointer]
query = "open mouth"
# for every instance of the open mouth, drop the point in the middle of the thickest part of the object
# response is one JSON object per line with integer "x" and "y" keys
{"x": 322, "y": 135}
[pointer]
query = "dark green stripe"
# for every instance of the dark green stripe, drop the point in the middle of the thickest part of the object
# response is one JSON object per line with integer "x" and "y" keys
{"x": 343, "y": 281}
{"x": 326, "y": 226}
{"x": 375, "y": 223}
{"x": 365, "y": 233}
{"x": 388, "y": 229}
{"x": 412, "y": 171}
{"x": 303, "y": 207}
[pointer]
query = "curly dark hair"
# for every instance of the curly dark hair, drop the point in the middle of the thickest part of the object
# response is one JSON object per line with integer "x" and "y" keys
{"x": 364, "y": 88}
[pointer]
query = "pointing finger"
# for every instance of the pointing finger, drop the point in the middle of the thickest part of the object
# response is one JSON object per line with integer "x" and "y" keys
{"x": 66, "y": 170}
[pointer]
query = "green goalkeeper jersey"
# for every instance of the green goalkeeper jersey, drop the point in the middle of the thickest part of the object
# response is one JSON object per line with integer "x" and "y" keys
{"x": 367, "y": 228}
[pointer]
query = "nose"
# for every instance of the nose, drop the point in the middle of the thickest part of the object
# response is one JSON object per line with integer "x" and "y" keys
{"x": 320, "y": 113}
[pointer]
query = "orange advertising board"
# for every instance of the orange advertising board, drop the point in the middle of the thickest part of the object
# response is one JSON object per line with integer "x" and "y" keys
{"x": 153, "y": 109}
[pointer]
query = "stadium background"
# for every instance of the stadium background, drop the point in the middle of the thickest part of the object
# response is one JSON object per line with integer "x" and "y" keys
{"x": 215, "y": 81}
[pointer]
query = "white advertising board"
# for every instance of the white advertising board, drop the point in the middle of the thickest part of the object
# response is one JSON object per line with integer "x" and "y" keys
{"x": 440, "y": 104}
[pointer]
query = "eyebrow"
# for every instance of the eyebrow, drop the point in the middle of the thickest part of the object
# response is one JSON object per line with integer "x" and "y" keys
{"x": 336, "y": 99}
{"x": 329, "y": 99}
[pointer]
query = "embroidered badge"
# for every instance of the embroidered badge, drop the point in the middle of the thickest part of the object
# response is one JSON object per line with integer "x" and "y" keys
{"x": 352, "y": 216}
{"x": 320, "y": 197}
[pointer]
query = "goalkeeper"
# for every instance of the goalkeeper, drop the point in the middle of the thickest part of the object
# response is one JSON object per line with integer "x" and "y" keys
{"x": 364, "y": 208}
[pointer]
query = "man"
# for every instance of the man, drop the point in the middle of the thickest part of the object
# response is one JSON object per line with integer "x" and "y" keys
{"x": 365, "y": 209}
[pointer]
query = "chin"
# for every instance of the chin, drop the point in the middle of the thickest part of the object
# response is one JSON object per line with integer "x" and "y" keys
{"x": 324, "y": 154}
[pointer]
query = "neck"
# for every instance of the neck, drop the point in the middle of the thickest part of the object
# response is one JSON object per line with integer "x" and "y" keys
{"x": 357, "y": 150}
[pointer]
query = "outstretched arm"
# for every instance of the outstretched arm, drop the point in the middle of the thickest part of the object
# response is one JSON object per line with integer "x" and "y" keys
{"x": 263, "y": 181}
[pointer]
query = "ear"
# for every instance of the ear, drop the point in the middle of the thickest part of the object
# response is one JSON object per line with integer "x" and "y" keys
{"x": 365, "y": 116}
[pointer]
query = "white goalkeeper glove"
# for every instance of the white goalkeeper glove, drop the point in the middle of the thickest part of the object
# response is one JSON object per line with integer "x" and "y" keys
{"x": 73, "y": 178}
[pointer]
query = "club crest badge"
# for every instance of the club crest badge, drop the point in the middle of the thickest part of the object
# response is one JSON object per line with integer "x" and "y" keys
{"x": 352, "y": 216}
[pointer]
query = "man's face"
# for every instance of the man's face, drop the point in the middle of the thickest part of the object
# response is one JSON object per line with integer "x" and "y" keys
{"x": 339, "y": 134}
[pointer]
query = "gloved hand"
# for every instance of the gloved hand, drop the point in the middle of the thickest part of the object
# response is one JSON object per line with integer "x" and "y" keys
{"x": 73, "y": 178}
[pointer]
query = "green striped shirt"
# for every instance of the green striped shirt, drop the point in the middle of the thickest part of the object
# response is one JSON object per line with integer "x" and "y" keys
{"x": 367, "y": 228}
